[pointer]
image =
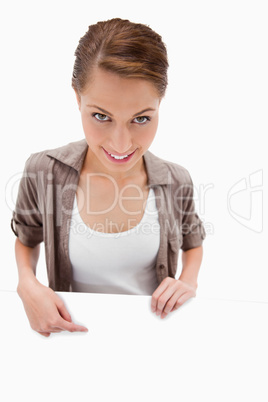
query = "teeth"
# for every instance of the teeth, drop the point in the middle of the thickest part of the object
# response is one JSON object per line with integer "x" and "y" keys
{"x": 118, "y": 157}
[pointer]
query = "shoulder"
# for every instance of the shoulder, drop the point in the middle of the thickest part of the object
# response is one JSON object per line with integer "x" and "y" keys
{"x": 162, "y": 170}
{"x": 69, "y": 154}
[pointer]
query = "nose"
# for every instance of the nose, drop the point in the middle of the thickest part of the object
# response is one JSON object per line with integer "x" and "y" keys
{"x": 121, "y": 140}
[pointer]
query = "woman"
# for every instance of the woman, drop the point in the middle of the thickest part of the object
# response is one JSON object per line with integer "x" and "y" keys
{"x": 112, "y": 215}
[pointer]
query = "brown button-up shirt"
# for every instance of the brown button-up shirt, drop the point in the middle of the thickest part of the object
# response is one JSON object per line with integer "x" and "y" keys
{"x": 45, "y": 199}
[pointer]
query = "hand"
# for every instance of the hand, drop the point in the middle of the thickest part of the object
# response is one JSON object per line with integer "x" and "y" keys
{"x": 45, "y": 310}
{"x": 170, "y": 295}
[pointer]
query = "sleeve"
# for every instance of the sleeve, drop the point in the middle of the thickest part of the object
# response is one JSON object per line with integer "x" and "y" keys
{"x": 26, "y": 222}
{"x": 193, "y": 231}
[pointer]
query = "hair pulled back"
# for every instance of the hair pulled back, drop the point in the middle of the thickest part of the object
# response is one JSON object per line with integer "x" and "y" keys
{"x": 128, "y": 49}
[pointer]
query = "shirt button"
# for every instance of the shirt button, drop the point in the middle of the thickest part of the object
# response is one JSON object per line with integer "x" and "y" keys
{"x": 162, "y": 266}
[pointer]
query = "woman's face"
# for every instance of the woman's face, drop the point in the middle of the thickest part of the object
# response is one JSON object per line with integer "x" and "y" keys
{"x": 120, "y": 119}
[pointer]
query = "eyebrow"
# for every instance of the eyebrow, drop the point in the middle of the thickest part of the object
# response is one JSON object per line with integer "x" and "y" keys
{"x": 110, "y": 114}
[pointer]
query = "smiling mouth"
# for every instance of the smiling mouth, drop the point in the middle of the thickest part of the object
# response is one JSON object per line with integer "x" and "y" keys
{"x": 119, "y": 157}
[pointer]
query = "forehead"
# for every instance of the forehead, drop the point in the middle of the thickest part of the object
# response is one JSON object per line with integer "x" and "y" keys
{"x": 107, "y": 86}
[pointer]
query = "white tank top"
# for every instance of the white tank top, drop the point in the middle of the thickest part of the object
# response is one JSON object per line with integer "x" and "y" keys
{"x": 121, "y": 262}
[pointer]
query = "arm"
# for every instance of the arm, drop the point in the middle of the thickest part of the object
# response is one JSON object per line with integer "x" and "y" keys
{"x": 44, "y": 308}
{"x": 172, "y": 293}
{"x": 26, "y": 258}
{"x": 191, "y": 262}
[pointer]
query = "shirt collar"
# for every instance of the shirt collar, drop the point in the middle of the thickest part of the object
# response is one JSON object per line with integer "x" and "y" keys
{"x": 73, "y": 155}
{"x": 157, "y": 170}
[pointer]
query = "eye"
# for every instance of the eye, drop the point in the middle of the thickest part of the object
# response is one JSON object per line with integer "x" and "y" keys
{"x": 100, "y": 116}
{"x": 142, "y": 119}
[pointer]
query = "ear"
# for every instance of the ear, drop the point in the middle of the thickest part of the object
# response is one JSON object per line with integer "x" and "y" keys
{"x": 78, "y": 98}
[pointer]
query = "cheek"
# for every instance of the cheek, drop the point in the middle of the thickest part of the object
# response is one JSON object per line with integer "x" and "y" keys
{"x": 92, "y": 133}
{"x": 147, "y": 136}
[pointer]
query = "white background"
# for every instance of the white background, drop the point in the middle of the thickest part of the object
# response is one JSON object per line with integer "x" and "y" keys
{"x": 213, "y": 120}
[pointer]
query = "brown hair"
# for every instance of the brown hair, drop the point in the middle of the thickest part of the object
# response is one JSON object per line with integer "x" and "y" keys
{"x": 128, "y": 49}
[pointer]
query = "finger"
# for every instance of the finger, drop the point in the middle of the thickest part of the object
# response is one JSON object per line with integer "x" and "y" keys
{"x": 46, "y": 330}
{"x": 55, "y": 329}
{"x": 179, "y": 297}
{"x": 61, "y": 326}
{"x": 46, "y": 334}
{"x": 70, "y": 326}
{"x": 66, "y": 323}
{"x": 182, "y": 300}
{"x": 63, "y": 310}
{"x": 166, "y": 298}
{"x": 171, "y": 303}
{"x": 157, "y": 293}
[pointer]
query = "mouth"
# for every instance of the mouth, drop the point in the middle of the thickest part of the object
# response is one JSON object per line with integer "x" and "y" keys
{"x": 119, "y": 158}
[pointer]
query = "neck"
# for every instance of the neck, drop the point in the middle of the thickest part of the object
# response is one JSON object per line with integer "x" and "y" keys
{"x": 136, "y": 174}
